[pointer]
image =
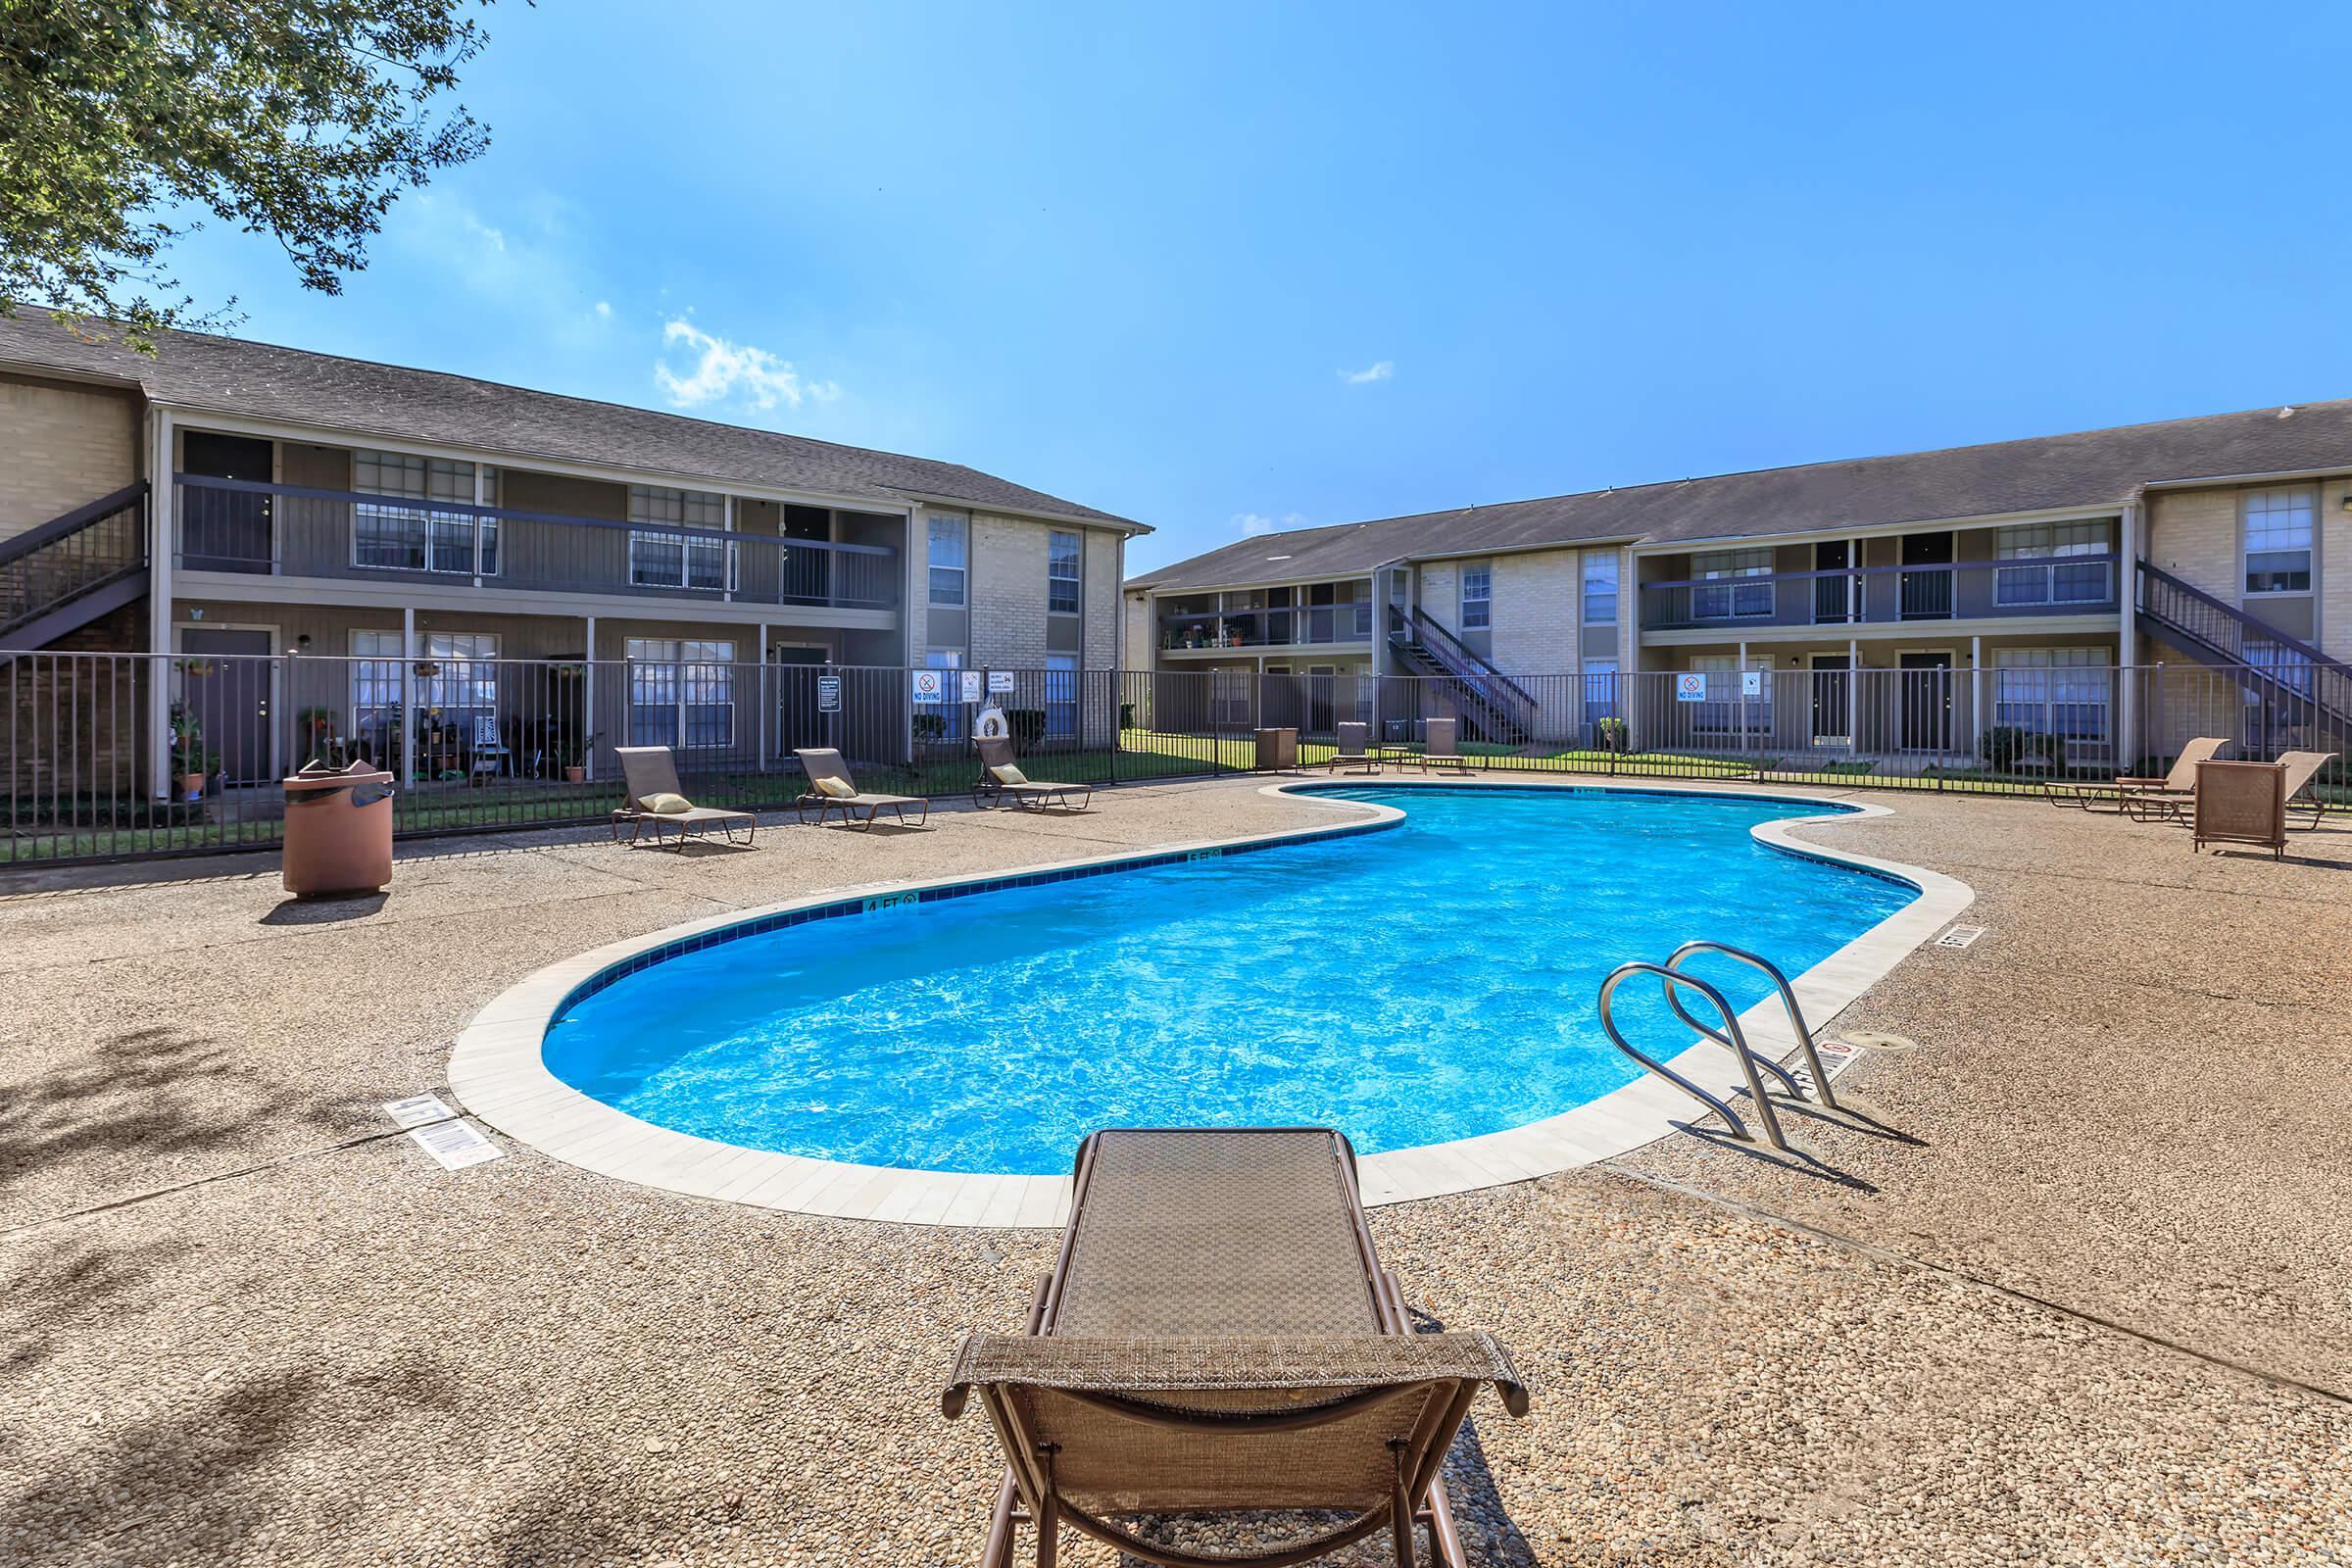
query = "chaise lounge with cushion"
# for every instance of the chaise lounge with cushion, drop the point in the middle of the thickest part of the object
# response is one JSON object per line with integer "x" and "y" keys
{"x": 830, "y": 787}
{"x": 1218, "y": 1337}
{"x": 649, "y": 780}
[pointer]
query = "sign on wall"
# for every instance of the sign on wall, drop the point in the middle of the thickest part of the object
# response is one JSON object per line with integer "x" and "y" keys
{"x": 930, "y": 685}
{"x": 829, "y": 693}
{"x": 1751, "y": 683}
{"x": 1690, "y": 688}
{"x": 999, "y": 680}
{"x": 971, "y": 685}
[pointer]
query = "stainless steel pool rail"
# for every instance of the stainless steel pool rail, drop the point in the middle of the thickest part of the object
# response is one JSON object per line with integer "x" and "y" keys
{"x": 1753, "y": 1066}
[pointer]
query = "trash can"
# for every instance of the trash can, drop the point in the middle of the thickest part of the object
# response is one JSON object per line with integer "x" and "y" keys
{"x": 1277, "y": 750}
{"x": 338, "y": 831}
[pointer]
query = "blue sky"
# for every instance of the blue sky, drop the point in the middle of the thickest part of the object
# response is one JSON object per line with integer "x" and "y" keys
{"x": 1223, "y": 267}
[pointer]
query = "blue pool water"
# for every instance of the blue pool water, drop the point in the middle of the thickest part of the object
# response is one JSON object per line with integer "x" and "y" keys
{"x": 1431, "y": 981}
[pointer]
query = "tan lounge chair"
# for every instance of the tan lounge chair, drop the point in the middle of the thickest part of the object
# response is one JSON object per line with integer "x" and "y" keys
{"x": 1440, "y": 747}
{"x": 2180, "y": 781}
{"x": 823, "y": 764}
{"x": 1217, "y": 1336}
{"x": 2168, "y": 799}
{"x": 2302, "y": 784}
{"x": 648, "y": 771}
{"x": 996, "y": 755}
{"x": 1354, "y": 750}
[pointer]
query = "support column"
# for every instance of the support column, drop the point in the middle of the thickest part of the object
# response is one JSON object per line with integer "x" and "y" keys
{"x": 588, "y": 707}
{"x": 1740, "y": 670}
{"x": 1976, "y": 695}
{"x": 478, "y": 526}
{"x": 1853, "y": 697}
{"x": 162, "y": 528}
{"x": 408, "y": 695}
{"x": 2125, "y": 739}
{"x": 764, "y": 701}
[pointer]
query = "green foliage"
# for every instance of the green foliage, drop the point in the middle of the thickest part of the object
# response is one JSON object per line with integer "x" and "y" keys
{"x": 1028, "y": 726}
{"x": 2005, "y": 746}
{"x": 929, "y": 726}
{"x": 303, "y": 119}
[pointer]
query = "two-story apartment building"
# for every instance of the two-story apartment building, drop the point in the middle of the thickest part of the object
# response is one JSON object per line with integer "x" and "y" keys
{"x": 1966, "y": 588}
{"x": 434, "y": 527}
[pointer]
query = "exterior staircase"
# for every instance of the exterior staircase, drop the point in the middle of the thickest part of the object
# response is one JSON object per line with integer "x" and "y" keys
{"x": 71, "y": 571}
{"x": 2298, "y": 683}
{"x": 1491, "y": 703}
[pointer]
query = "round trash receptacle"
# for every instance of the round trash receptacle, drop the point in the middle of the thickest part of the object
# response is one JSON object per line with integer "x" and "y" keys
{"x": 338, "y": 831}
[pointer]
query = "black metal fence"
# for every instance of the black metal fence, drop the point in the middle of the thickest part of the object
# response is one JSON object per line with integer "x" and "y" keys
{"x": 118, "y": 756}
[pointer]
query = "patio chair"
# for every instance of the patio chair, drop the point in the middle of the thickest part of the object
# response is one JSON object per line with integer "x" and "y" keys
{"x": 1354, "y": 750}
{"x": 1218, "y": 1336}
{"x": 1000, "y": 779}
{"x": 2302, "y": 784}
{"x": 2182, "y": 781}
{"x": 2168, "y": 799}
{"x": 651, "y": 795}
{"x": 2241, "y": 803}
{"x": 830, "y": 786}
{"x": 1439, "y": 747}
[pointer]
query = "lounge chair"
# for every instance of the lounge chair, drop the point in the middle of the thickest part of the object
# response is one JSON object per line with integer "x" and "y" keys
{"x": 2181, "y": 782}
{"x": 1217, "y": 1336}
{"x": 2302, "y": 783}
{"x": 830, "y": 786}
{"x": 650, "y": 773}
{"x": 1439, "y": 747}
{"x": 1000, "y": 779}
{"x": 1354, "y": 750}
{"x": 2170, "y": 798}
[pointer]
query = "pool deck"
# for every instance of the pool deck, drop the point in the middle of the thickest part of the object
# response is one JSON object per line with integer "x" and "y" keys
{"x": 2095, "y": 1308}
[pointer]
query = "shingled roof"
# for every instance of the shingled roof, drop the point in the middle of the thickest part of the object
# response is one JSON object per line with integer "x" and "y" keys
{"x": 394, "y": 403}
{"x": 2089, "y": 468}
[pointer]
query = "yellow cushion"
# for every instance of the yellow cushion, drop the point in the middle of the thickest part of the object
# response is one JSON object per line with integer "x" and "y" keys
{"x": 840, "y": 789}
{"x": 1007, "y": 774}
{"x": 665, "y": 804}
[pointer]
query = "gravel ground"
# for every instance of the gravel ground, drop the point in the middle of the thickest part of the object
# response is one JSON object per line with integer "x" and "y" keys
{"x": 321, "y": 1348}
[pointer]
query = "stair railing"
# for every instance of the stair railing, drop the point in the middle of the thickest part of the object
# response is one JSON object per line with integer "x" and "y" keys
{"x": 2228, "y": 630}
{"x": 71, "y": 555}
{"x": 1505, "y": 698}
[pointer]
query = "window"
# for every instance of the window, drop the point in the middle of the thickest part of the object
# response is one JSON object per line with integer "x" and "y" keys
{"x": 1600, "y": 588}
{"x": 453, "y": 702}
{"x": 1478, "y": 596}
{"x": 947, "y": 559}
{"x": 1061, "y": 574}
{"x": 424, "y": 537}
{"x": 1730, "y": 600}
{"x": 1062, "y": 695}
{"x": 668, "y": 559}
{"x": 2057, "y": 692}
{"x": 2046, "y": 577}
{"x": 681, "y": 692}
{"x": 2279, "y": 530}
{"x": 1600, "y": 689}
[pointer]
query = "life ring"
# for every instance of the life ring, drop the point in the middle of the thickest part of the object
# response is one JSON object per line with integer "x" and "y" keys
{"x": 989, "y": 723}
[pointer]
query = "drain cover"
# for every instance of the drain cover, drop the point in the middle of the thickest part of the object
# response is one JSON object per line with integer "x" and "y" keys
{"x": 1871, "y": 1040}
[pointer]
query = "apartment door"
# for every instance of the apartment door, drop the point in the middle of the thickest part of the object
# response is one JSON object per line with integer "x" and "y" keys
{"x": 1832, "y": 597}
{"x": 225, "y": 678}
{"x": 1924, "y": 683}
{"x": 799, "y": 719}
{"x": 1833, "y": 698}
{"x": 226, "y": 531}
{"x": 1926, "y": 594}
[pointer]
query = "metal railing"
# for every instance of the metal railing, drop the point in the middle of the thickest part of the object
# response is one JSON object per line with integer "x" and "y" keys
{"x": 69, "y": 557}
{"x": 1842, "y": 595}
{"x": 242, "y": 526}
{"x": 2230, "y": 637}
{"x": 114, "y": 756}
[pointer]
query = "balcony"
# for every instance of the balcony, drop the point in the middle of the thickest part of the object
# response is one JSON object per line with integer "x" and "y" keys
{"x": 1301, "y": 626}
{"x": 242, "y": 527}
{"x": 1868, "y": 596}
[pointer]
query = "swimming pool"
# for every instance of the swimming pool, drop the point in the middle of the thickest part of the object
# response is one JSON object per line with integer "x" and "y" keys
{"x": 1430, "y": 982}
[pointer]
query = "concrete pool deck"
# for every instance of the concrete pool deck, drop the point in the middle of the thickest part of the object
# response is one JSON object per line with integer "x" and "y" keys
{"x": 2099, "y": 1311}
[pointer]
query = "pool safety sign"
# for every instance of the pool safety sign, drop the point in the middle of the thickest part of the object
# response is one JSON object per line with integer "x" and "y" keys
{"x": 930, "y": 685}
{"x": 999, "y": 682}
{"x": 1690, "y": 688}
{"x": 1751, "y": 683}
{"x": 971, "y": 685}
{"x": 829, "y": 693}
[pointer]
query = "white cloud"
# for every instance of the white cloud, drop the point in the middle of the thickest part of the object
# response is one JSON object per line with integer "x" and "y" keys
{"x": 1378, "y": 371}
{"x": 724, "y": 370}
{"x": 604, "y": 309}
{"x": 1253, "y": 524}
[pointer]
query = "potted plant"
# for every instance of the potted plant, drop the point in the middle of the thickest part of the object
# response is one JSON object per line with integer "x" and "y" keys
{"x": 575, "y": 762}
{"x": 188, "y": 753}
{"x": 198, "y": 668}
{"x": 425, "y": 668}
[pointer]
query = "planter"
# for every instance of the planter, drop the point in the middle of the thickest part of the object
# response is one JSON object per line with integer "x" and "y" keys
{"x": 576, "y": 775}
{"x": 191, "y": 786}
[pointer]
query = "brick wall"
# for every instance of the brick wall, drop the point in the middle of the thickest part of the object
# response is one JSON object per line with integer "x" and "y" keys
{"x": 62, "y": 444}
{"x": 2194, "y": 535}
{"x": 78, "y": 726}
{"x": 1100, "y": 587}
{"x": 1009, "y": 591}
{"x": 1535, "y": 611}
{"x": 2335, "y": 569}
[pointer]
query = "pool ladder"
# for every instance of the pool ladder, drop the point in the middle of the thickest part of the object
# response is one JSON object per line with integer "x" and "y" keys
{"x": 1753, "y": 1066}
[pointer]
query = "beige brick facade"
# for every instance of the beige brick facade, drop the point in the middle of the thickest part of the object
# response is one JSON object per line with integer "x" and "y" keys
{"x": 1007, "y": 594}
{"x": 2194, "y": 535}
{"x": 1102, "y": 600}
{"x": 1535, "y": 611}
{"x": 65, "y": 445}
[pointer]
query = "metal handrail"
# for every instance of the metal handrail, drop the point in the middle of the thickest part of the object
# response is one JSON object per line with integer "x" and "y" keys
{"x": 1730, "y": 1036}
{"x": 1796, "y": 1017}
{"x": 1477, "y": 675}
{"x": 2224, "y": 628}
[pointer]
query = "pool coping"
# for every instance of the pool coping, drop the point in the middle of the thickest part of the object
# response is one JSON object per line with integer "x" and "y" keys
{"x": 498, "y": 1074}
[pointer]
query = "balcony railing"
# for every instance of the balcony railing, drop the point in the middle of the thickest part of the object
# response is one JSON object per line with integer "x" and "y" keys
{"x": 237, "y": 526}
{"x": 2054, "y": 585}
{"x": 1301, "y": 626}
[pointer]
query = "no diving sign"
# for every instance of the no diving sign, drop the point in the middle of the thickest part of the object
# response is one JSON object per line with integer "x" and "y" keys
{"x": 1690, "y": 688}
